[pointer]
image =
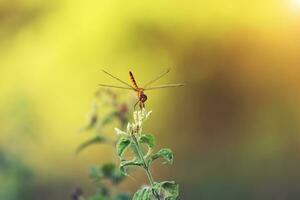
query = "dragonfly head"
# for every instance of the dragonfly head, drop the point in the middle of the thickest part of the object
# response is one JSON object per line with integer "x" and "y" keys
{"x": 143, "y": 97}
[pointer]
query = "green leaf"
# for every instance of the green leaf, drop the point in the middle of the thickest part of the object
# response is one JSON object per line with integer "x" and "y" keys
{"x": 124, "y": 164}
{"x": 147, "y": 139}
{"x": 122, "y": 145}
{"x": 165, "y": 153}
{"x": 117, "y": 176}
{"x": 122, "y": 196}
{"x": 103, "y": 190}
{"x": 144, "y": 194}
{"x": 97, "y": 197}
{"x": 95, "y": 173}
{"x": 169, "y": 190}
{"x": 111, "y": 172}
{"x": 92, "y": 141}
{"x": 108, "y": 169}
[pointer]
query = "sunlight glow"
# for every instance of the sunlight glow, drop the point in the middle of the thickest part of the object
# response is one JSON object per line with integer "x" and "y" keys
{"x": 295, "y": 4}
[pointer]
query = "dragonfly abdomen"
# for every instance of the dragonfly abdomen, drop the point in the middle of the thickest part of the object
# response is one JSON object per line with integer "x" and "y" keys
{"x": 133, "y": 80}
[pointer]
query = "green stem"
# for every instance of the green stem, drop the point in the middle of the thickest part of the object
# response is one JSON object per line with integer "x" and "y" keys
{"x": 146, "y": 166}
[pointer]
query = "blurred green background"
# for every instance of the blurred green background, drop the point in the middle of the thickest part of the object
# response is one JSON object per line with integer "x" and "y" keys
{"x": 234, "y": 127}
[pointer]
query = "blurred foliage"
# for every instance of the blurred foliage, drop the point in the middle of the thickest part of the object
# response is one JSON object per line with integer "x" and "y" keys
{"x": 15, "y": 178}
{"x": 112, "y": 109}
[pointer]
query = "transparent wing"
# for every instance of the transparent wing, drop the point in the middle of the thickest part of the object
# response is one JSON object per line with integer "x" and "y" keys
{"x": 113, "y": 86}
{"x": 158, "y": 77}
{"x": 118, "y": 79}
{"x": 165, "y": 86}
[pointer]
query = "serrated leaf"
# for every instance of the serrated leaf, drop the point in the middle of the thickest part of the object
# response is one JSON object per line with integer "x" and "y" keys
{"x": 96, "y": 140}
{"x": 166, "y": 154}
{"x": 169, "y": 190}
{"x": 124, "y": 164}
{"x": 144, "y": 194}
{"x": 122, "y": 144}
{"x": 147, "y": 139}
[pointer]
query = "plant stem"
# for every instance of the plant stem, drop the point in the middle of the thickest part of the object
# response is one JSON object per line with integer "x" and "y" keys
{"x": 146, "y": 166}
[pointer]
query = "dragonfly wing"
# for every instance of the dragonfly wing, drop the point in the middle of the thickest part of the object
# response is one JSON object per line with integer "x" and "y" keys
{"x": 113, "y": 86}
{"x": 118, "y": 79}
{"x": 156, "y": 78}
{"x": 165, "y": 86}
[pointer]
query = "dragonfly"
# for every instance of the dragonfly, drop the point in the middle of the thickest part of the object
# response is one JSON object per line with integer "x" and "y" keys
{"x": 140, "y": 91}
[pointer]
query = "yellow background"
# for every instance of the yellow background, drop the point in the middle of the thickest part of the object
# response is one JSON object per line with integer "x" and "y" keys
{"x": 234, "y": 127}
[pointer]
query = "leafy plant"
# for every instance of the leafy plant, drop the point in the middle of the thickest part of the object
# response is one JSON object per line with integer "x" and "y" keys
{"x": 113, "y": 110}
{"x": 142, "y": 144}
{"x": 131, "y": 137}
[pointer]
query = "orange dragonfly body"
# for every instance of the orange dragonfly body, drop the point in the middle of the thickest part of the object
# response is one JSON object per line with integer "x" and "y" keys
{"x": 142, "y": 97}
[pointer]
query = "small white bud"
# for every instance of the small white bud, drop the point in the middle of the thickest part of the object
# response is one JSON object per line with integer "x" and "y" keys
{"x": 120, "y": 132}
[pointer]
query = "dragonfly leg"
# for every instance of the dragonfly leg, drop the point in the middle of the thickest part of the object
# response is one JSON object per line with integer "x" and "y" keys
{"x": 136, "y": 104}
{"x": 142, "y": 105}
